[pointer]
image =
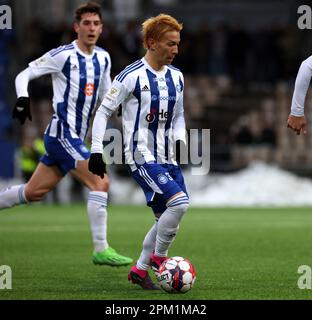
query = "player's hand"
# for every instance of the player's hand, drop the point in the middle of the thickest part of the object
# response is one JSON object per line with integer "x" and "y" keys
{"x": 180, "y": 151}
{"x": 21, "y": 109}
{"x": 96, "y": 164}
{"x": 297, "y": 124}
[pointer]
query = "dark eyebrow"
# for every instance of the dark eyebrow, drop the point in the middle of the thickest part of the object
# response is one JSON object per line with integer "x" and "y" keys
{"x": 173, "y": 42}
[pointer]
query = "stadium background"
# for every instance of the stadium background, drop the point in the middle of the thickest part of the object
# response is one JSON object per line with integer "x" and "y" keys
{"x": 240, "y": 60}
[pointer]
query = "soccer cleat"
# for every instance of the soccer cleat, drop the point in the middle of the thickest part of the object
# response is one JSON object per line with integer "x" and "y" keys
{"x": 110, "y": 257}
{"x": 141, "y": 278}
{"x": 156, "y": 262}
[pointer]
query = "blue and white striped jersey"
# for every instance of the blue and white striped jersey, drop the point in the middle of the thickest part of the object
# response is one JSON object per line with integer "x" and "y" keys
{"x": 152, "y": 113}
{"x": 79, "y": 80}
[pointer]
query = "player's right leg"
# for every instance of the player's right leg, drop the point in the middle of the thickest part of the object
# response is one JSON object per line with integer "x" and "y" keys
{"x": 42, "y": 181}
{"x": 103, "y": 253}
{"x": 139, "y": 272}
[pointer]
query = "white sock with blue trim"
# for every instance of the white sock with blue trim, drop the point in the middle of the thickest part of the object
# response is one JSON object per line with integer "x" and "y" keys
{"x": 168, "y": 224}
{"x": 97, "y": 203}
{"x": 12, "y": 196}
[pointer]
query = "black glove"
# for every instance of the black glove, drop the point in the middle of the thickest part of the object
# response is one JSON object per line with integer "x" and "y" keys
{"x": 97, "y": 165}
{"x": 180, "y": 151}
{"x": 21, "y": 109}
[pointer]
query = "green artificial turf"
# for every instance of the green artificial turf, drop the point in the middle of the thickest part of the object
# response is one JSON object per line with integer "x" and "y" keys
{"x": 248, "y": 253}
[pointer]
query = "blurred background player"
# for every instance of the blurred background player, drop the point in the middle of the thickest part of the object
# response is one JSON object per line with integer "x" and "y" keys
{"x": 80, "y": 75}
{"x": 297, "y": 120}
{"x": 151, "y": 93}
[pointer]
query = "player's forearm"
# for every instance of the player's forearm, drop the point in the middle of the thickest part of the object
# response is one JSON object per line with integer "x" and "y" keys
{"x": 301, "y": 88}
{"x": 99, "y": 128}
{"x": 179, "y": 130}
{"x": 21, "y": 82}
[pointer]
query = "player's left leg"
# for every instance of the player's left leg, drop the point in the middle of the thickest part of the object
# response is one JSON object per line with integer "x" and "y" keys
{"x": 174, "y": 202}
{"x": 168, "y": 226}
{"x": 97, "y": 212}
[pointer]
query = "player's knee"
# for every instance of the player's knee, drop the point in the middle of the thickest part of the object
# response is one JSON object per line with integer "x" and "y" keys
{"x": 100, "y": 184}
{"x": 183, "y": 207}
{"x": 35, "y": 195}
{"x": 180, "y": 203}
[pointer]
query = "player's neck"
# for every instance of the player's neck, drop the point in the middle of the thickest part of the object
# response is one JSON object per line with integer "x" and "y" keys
{"x": 85, "y": 49}
{"x": 153, "y": 62}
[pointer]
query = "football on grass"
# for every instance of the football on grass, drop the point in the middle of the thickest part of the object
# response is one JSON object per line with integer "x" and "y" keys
{"x": 176, "y": 275}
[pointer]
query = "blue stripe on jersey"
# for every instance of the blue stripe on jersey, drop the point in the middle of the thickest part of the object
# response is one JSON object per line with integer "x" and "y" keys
{"x": 60, "y": 49}
{"x": 154, "y": 110}
{"x": 62, "y": 106}
{"x": 127, "y": 68}
{"x": 174, "y": 68}
{"x": 97, "y": 73}
{"x": 106, "y": 64}
{"x": 81, "y": 95}
{"x": 171, "y": 104}
{"x": 181, "y": 84}
{"x": 119, "y": 76}
{"x": 137, "y": 94}
{"x": 122, "y": 75}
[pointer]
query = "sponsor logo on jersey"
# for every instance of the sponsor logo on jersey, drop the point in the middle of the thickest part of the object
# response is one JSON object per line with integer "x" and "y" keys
{"x": 162, "y": 88}
{"x": 162, "y": 115}
{"x": 163, "y": 98}
{"x": 161, "y": 79}
{"x": 145, "y": 88}
{"x": 89, "y": 89}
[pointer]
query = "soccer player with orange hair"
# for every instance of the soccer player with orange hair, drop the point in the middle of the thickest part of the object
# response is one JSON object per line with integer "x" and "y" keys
{"x": 150, "y": 91}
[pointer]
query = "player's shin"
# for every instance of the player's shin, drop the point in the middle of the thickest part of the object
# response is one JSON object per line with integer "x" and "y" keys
{"x": 168, "y": 224}
{"x": 97, "y": 203}
{"x": 12, "y": 196}
{"x": 148, "y": 245}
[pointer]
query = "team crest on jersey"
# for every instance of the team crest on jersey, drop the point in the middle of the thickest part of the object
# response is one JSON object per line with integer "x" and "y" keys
{"x": 89, "y": 89}
{"x": 162, "y": 179}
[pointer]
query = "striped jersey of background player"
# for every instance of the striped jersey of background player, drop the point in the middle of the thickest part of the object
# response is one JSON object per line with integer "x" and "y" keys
{"x": 80, "y": 74}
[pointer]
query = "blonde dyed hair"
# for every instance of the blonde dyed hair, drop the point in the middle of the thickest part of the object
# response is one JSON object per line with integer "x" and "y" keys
{"x": 156, "y": 27}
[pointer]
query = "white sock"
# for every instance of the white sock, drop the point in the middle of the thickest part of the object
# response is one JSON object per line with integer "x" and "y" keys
{"x": 97, "y": 203}
{"x": 148, "y": 245}
{"x": 12, "y": 196}
{"x": 168, "y": 224}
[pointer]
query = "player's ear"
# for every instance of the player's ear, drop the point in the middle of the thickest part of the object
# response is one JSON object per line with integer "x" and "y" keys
{"x": 76, "y": 27}
{"x": 152, "y": 44}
